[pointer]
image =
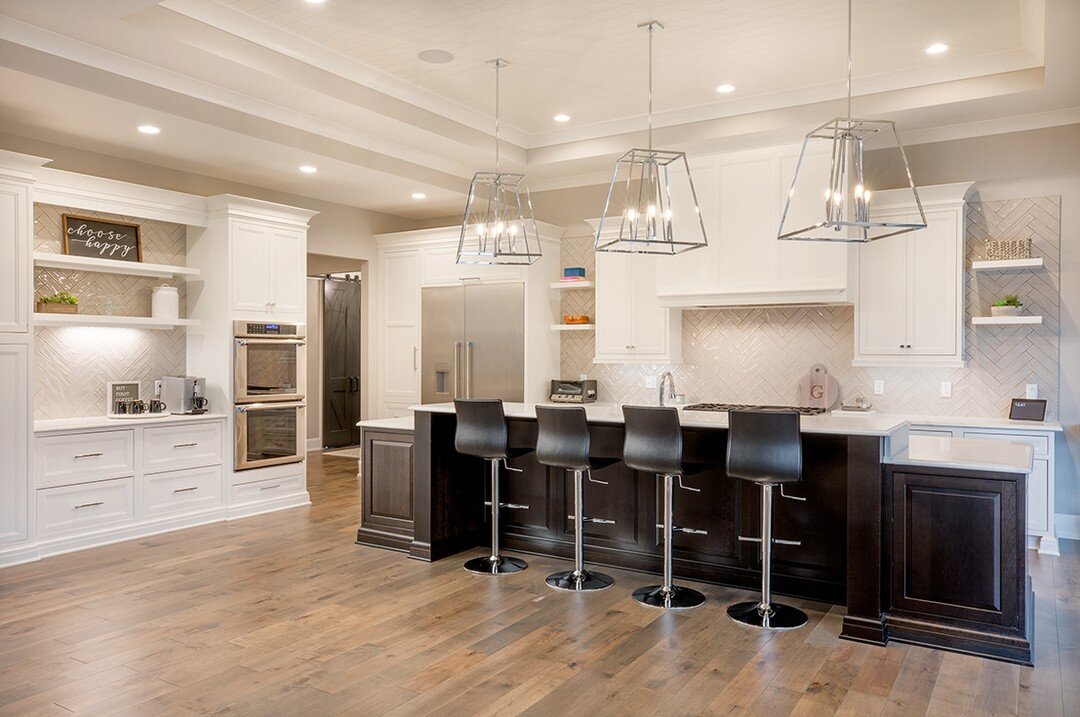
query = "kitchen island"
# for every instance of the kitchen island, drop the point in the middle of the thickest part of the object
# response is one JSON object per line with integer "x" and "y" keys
{"x": 847, "y": 525}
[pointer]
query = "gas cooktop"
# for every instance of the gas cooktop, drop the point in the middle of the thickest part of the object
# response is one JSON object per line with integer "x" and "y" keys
{"x": 719, "y": 407}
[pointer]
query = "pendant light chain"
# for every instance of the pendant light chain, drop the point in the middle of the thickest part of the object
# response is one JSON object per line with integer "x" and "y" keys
{"x": 650, "y": 85}
{"x": 498, "y": 64}
{"x": 849, "y": 59}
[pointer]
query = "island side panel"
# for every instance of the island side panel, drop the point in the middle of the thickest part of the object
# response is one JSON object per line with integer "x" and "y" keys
{"x": 865, "y": 575}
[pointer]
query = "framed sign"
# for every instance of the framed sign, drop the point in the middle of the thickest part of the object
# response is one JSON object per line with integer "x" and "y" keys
{"x": 1028, "y": 409}
{"x": 120, "y": 391}
{"x": 102, "y": 240}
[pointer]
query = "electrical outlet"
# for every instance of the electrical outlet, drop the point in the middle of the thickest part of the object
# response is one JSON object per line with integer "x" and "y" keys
{"x": 157, "y": 387}
{"x": 946, "y": 389}
{"x": 879, "y": 387}
{"x": 584, "y": 377}
{"x": 650, "y": 382}
{"x": 1031, "y": 390}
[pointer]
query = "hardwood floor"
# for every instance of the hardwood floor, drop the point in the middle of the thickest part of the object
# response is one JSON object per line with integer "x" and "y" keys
{"x": 282, "y": 614}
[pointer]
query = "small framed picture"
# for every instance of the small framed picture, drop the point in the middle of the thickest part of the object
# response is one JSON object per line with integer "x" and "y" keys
{"x": 1028, "y": 409}
{"x": 124, "y": 391}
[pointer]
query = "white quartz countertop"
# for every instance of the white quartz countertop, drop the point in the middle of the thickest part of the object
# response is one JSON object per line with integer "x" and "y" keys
{"x": 966, "y": 453}
{"x": 83, "y": 423}
{"x": 983, "y": 422}
{"x": 874, "y": 425}
{"x": 399, "y": 424}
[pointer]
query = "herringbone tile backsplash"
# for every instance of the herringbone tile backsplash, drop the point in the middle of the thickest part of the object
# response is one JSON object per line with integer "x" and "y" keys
{"x": 758, "y": 355}
{"x": 74, "y": 363}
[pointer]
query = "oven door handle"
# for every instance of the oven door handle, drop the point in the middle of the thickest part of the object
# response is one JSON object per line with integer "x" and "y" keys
{"x": 245, "y": 408}
{"x": 245, "y": 342}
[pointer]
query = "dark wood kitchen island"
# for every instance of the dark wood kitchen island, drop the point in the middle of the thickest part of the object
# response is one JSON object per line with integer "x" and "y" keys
{"x": 973, "y": 593}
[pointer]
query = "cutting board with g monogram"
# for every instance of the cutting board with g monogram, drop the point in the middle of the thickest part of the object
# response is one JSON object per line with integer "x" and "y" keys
{"x": 817, "y": 389}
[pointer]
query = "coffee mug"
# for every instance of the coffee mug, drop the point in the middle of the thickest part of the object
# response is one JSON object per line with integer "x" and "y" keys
{"x": 199, "y": 402}
{"x": 156, "y": 406}
{"x": 137, "y": 407}
{"x": 120, "y": 407}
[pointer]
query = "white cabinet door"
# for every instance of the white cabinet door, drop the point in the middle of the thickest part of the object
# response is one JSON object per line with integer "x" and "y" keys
{"x": 15, "y": 269}
{"x": 631, "y": 325}
{"x": 883, "y": 300}
{"x": 932, "y": 296}
{"x": 808, "y": 265}
{"x": 250, "y": 264}
{"x": 650, "y": 320}
{"x": 694, "y": 271}
{"x": 1038, "y": 504}
{"x": 14, "y": 441}
{"x": 288, "y": 264}
{"x": 614, "y": 304}
{"x": 748, "y": 212}
{"x": 400, "y": 360}
{"x": 440, "y": 267}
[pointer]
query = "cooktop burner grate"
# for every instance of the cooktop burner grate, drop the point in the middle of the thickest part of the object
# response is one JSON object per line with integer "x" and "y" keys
{"x": 719, "y": 407}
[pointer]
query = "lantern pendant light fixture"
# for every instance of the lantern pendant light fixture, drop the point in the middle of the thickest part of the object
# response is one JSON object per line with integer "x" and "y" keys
{"x": 498, "y": 227}
{"x": 651, "y": 205}
{"x": 843, "y": 197}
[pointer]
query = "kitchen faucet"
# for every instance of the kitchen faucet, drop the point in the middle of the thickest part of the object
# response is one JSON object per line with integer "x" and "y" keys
{"x": 666, "y": 376}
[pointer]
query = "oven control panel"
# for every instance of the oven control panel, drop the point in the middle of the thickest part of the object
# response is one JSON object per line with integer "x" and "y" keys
{"x": 243, "y": 329}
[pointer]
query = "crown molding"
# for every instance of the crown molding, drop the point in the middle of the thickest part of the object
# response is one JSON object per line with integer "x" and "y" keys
{"x": 82, "y": 191}
{"x": 233, "y": 206}
{"x": 20, "y": 167}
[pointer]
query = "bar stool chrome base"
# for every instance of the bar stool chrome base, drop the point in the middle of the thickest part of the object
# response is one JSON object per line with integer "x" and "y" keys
{"x": 575, "y": 581}
{"x": 778, "y": 617}
{"x": 495, "y": 566}
{"x": 672, "y": 598}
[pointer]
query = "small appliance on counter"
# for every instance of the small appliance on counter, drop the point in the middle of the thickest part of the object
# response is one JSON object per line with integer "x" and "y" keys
{"x": 184, "y": 394}
{"x": 573, "y": 391}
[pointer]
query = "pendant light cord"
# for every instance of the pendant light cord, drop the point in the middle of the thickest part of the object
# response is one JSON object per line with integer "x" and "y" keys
{"x": 650, "y": 85}
{"x": 849, "y": 59}
{"x": 498, "y": 64}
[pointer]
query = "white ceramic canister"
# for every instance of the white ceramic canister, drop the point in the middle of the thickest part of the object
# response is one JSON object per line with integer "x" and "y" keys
{"x": 165, "y": 302}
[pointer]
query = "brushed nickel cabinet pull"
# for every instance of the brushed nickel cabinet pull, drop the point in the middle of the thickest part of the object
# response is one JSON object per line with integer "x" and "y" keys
{"x": 270, "y": 487}
{"x": 184, "y": 445}
{"x": 186, "y": 490}
{"x": 89, "y": 505}
{"x": 88, "y": 455}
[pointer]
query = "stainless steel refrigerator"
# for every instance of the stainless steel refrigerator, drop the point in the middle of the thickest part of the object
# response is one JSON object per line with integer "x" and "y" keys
{"x": 472, "y": 342}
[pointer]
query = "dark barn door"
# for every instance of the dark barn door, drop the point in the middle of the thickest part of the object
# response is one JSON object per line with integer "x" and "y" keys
{"x": 341, "y": 363}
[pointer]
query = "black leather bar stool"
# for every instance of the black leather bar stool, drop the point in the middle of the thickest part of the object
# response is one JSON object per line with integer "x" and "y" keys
{"x": 766, "y": 447}
{"x": 653, "y": 444}
{"x": 481, "y": 432}
{"x": 563, "y": 442}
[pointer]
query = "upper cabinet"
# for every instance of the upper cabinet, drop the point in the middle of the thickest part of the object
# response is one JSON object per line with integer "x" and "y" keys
{"x": 910, "y": 307}
{"x": 631, "y": 325}
{"x": 741, "y": 198}
{"x": 16, "y": 239}
{"x": 267, "y": 268}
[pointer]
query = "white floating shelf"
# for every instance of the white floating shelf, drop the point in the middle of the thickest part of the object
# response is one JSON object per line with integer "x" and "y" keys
{"x": 1005, "y": 320}
{"x": 999, "y": 264}
{"x": 111, "y": 266}
{"x": 573, "y": 327}
{"x": 137, "y": 322}
{"x": 563, "y": 285}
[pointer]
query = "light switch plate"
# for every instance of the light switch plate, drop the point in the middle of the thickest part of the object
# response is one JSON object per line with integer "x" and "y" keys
{"x": 584, "y": 377}
{"x": 650, "y": 382}
{"x": 946, "y": 389}
{"x": 1031, "y": 390}
{"x": 879, "y": 387}
{"x": 157, "y": 387}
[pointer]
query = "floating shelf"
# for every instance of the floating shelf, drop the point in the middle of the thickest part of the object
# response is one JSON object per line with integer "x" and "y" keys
{"x": 573, "y": 327}
{"x": 999, "y": 264}
{"x": 111, "y": 266}
{"x": 563, "y": 285}
{"x": 137, "y": 322}
{"x": 1005, "y": 320}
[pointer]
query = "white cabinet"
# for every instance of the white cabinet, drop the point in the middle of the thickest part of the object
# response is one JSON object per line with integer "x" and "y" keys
{"x": 631, "y": 325}
{"x": 14, "y": 442}
{"x": 399, "y": 309}
{"x": 15, "y": 243}
{"x": 910, "y": 307}
{"x": 268, "y": 268}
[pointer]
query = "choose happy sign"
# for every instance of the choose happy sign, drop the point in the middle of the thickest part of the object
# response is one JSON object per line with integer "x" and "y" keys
{"x": 101, "y": 240}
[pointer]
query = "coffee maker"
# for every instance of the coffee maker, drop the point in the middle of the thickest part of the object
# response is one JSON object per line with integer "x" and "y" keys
{"x": 184, "y": 394}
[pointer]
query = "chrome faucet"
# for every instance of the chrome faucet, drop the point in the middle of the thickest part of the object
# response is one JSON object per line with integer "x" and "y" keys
{"x": 666, "y": 376}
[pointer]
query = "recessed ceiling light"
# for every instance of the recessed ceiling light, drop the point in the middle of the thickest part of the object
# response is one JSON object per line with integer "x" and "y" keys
{"x": 316, "y": 2}
{"x": 561, "y": 118}
{"x": 419, "y": 195}
{"x": 725, "y": 88}
{"x": 148, "y": 129}
{"x": 937, "y": 48}
{"x": 308, "y": 169}
{"x": 435, "y": 57}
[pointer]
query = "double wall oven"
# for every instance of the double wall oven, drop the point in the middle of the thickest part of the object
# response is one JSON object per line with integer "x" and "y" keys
{"x": 269, "y": 375}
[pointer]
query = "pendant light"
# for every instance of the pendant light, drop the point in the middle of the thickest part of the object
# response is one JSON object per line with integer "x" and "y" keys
{"x": 498, "y": 227}
{"x": 842, "y": 199}
{"x": 651, "y": 206}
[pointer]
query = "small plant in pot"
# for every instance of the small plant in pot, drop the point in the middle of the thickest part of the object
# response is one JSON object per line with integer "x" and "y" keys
{"x": 1009, "y": 306}
{"x": 59, "y": 303}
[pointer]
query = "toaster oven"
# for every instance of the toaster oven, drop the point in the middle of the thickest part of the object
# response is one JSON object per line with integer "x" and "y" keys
{"x": 573, "y": 391}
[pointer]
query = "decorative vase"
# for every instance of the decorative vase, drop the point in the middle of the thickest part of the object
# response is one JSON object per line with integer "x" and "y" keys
{"x": 1005, "y": 310}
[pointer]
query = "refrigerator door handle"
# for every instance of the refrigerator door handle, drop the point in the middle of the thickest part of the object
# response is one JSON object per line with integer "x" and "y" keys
{"x": 457, "y": 368}
{"x": 468, "y": 369}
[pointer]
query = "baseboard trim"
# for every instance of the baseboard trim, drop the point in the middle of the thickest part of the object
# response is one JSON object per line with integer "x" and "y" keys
{"x": 314, "y": 444}
{"x": 247, "y": 510}
{"x": 1067, "y": 526}
{"x": 10, "y": 557}
{"x": 48, "y": 546}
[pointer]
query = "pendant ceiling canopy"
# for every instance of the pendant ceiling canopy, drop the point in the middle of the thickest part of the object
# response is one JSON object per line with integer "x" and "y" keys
{"x": 651, "y": 205}
{"x": 842, "y": 196}
{"x": 498, "y": 226}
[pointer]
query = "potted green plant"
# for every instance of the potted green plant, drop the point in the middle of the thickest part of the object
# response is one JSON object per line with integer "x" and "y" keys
{"x": 1009, "y": 306}
{"x": 59, "y": 303}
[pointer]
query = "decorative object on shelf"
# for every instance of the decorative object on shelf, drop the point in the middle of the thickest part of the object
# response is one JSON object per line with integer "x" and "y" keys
{"x": 119, "y": 397}
{"x": 653, "y": 193}
{"x": 575, "y": 319}
{"x": 59, "y": 303}
{"x": 999, "y": 249}
{"x": 165, "y": 302}
{"x": 844, "y": 199}
{"x": 499, "y": 227}
{"x": 1009, "y": 306}
{"x": 119, "y": 241}
{"x": 573, "y": 273}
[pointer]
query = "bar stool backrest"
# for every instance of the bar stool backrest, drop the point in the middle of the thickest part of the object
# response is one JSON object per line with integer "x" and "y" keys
{"x": 653, "y": 442}
{"x": 481, "y": 428}
{"x": 764, "y": 446}
{"x": 563, "y": 438}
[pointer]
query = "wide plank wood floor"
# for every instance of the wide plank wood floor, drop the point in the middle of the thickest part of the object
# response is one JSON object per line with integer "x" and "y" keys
{"x": 283, "y": 615}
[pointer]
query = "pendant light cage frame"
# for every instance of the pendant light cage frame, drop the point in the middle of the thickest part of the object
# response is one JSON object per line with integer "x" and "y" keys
{"x": 659, "y": 210}
{"x": 498, "y": 226}
{"x": 845, "y": 213}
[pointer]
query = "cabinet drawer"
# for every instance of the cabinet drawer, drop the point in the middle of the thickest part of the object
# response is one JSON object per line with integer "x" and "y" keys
{"x": 89, "y": 505}
{"x": 167, "y": 448}
{"x": 267, "y": 489}
{"x": 936, "y": 432}
{"x": 1040, "y": 444}
{"x": 178, "y": 491}
{"x": 83, "y": 457}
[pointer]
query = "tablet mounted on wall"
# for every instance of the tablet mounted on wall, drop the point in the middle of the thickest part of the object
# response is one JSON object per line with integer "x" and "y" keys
{"x": 1028, "y": 409}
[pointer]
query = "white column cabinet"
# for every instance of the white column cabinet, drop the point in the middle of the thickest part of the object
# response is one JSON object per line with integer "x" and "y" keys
{"x": 399, "y": 310}
{"x": 631, "y": 324}
{"x": 288, "y": 270}
{"x": 14, "y": 442}
{"x": 267, "y": 268}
